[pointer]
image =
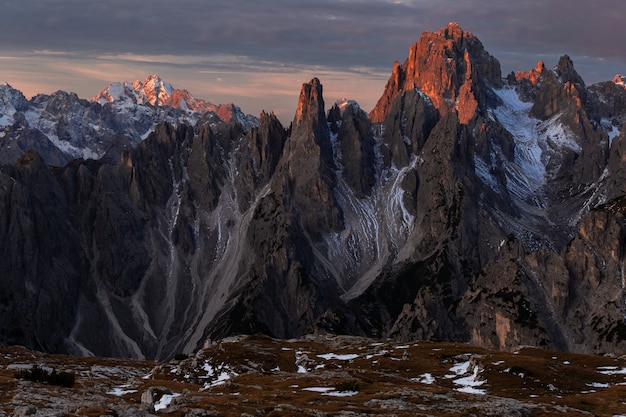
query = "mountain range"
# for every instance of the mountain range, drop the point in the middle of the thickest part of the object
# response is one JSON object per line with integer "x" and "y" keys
{"x": 467, "y": 206}
{"x": 62, "y": 127}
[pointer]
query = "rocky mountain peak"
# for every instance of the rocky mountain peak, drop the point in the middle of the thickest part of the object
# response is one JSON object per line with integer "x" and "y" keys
{"x": 451, "y": 67}
{"x": 310, "y": 103}
{"x": 156, "y": 90}
{"x": 532, "y": 75}
{"x": 620, "y": 80}
{"x": 566, "y": 73}
{"x": 10, "y": 97}
{"x": 310, "y": 162}
{"x": 453, "y": 31}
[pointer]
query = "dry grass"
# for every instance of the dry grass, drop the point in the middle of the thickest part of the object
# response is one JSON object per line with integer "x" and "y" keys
{"x": 259, "y": 375}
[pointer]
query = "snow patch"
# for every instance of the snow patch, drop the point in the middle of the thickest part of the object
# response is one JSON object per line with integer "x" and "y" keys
{"x": 120, "y": 391}
{"x": 318, "y": 389}
{"x": 341, "y": 393}
{"x": 610, "y": 129}
{"x": 426, "y": 378}
{"x": 331, "y": 391}
{"x": 217, "y": 375}
{"x": 598, "y": 385}
{"x": 470, "y": 379}
{"x": 537, "y": 143}
{"x": 611, "y": 370}
{"x": 345, "y": 357}
{"x": 165, "y": 401}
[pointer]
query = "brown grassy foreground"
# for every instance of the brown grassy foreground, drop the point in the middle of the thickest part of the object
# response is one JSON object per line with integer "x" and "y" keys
{"x": 324, "y": 375}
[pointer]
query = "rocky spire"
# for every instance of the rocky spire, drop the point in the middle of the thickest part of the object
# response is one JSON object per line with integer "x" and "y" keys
{"x": 309, "y": 161}
{"x": 532, "y": 75}
{"x": 310, "y": 124}
{"x": 451, "y": 67}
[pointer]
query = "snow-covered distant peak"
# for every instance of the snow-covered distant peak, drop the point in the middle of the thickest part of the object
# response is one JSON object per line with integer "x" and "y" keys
{"x": 157, "y": 91}
{"x": 620, "y": 80}
{"x": 11, "y": 101}
{"x": 10, "y": 95}
{"x": 343, "y": 104}
{"x": 154, "y": 91}
{"x": 114, "y": 92}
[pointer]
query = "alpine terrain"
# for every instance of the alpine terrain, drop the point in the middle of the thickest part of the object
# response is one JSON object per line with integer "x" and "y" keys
{"x": 467, "y": 206}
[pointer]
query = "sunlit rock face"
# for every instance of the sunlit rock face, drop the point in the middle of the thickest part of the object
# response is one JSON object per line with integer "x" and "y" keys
{"x": 451, "y": 67}
{"x": 465, "y": 207}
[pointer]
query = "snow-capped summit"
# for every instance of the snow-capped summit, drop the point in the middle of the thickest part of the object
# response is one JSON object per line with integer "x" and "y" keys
{"x": 152, "y": 91}
{"x": 156, "y": 92}
{"x": 11, "y": 101}
{"x": 343, "y": 104}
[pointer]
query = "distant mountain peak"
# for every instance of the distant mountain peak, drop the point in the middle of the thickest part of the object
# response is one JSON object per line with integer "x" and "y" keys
{"x": 154, "y": 91}
{"x": 620, "y": 80}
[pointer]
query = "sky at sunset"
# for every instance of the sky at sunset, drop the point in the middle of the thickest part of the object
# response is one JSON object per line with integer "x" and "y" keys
{"x": 257, "y": 53}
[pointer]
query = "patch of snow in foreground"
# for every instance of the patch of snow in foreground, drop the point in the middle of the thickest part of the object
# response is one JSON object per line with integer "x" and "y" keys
{"x": 222, "y": 375}
{"x": 459, "y": 369}
{"x": 611, "y": 370}
{"x": 426, "y": 378}
{"x": 598, "y": 385}
{"x": 469, "y": 383}
{"x": 119, "y": 391}
{"x": 318, "y": 389}
{"x": 346, "y": 357}
{"x": 165, "y": 401}
{"x": 331, "y": 391}
{"x": 221, "y": 380}
{"x": 299, "y": 359}
{"x": 341, "y": 393}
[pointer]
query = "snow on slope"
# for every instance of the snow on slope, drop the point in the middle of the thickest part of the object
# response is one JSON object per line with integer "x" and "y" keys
{"x": 538, "y": 144}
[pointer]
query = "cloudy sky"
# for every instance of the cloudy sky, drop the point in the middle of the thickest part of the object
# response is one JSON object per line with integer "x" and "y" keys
{"x": 257, "y": 53}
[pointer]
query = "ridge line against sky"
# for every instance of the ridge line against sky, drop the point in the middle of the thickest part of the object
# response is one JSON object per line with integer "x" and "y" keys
{"x": 258, "y": 53}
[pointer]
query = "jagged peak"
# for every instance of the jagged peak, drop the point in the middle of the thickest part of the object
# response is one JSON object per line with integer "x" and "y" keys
{"x": 620, "y": 80}
{"x": 566, "y": 72}
{"x": 532, "y": 75}
{"x": 311, "y": 101}
{"x": 343, "y": 103}
{"x": 453, "y": 31}
{"x": 13, "y": 96}
{"x": 451, "y": 67}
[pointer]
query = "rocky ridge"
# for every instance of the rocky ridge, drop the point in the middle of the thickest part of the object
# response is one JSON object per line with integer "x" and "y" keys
{"x": 62, "y": 127}
{"x": 467, "y": 206}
